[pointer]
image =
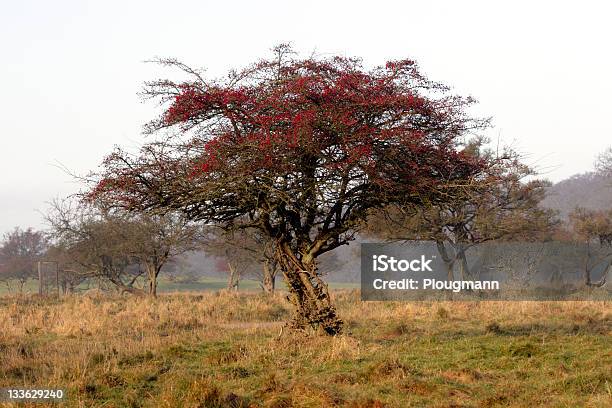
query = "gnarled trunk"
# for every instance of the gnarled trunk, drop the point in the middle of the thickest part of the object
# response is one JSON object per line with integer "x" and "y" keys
{"x": 464, "y": 267}
{"x": 307, "y": 292}
{"x": 449, "y": 261}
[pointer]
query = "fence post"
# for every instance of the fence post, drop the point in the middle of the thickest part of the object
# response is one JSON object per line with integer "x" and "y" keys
{"x": 40, "y": 279}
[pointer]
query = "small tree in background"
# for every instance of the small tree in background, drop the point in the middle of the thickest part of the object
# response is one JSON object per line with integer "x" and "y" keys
{"x": 304, "y": 150}
{"x": 243, "y": 251}
{"x": 594, "y": 229}
{"x": 154, "y": 240}
{"x": 71, "y": 274}
{"x": 20, "y": 252}
{"x": 96, "y": 244}
{"x": 232, "y": 261}
{"x": 499, "y": 205}
{"x": 258, "y": 250}
{"x": 119, "y": 248}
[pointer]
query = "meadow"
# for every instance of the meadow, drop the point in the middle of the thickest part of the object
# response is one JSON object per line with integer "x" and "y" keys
{"x": 166, "y": 285}
{"x": 222, "y": 349}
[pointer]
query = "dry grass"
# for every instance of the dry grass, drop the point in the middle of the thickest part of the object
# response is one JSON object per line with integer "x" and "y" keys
{"x": 223, "y": 349}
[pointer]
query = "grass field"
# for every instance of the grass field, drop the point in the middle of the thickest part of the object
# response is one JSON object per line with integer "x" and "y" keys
{"x": 169, "y": 286}
{"x": 216, "y": 349}
{"x": 165, "y": 285}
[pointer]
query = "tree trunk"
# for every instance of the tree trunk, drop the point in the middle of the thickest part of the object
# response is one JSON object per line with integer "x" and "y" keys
{"x": 587, "y": 277}
{"x": 21, "y": 285}
{"x": 269, "y": 272}
{"x": 153, "y": 287}
{"x": 448, "y": 261}
{"x": 463, "y": 266}
{"x": 450, "y": 271}
{"x": 308, "y": 293}
{"x": 587, "y": 268}
{"x": 234, "y": 277}
{"x": 588, "y": 281}
{"x": 152, "y": 275}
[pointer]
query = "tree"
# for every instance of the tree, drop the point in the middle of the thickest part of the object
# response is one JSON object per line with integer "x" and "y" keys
{"x": 120, "y": 247}
{"x": 269, "y": 263}
{"x": 499, "y": 205}
{"x": 259, "y": 248}
{"x": 153, "y": 240}
{"x": 70, "y": 273}
{"x": 234, "y": 260}
{"x": 594, "y": 229}
{"x": 19, "y": 255}
{"x": 95, "y": 243}
{"x": 604, "y": 162}
{"x": 242, "y": 251}
{"x": 303, "y": 149}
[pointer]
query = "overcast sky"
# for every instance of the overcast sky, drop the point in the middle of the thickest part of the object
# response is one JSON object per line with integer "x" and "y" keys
{"x": 70, "y": 72}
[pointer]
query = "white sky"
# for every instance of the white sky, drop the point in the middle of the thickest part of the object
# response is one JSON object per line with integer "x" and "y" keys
{"x": 70, "y": 71}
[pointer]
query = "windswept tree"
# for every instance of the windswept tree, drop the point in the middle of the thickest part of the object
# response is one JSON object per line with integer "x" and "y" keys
{"x": 303, "y": 149}
{"x": 501, "y": 204}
